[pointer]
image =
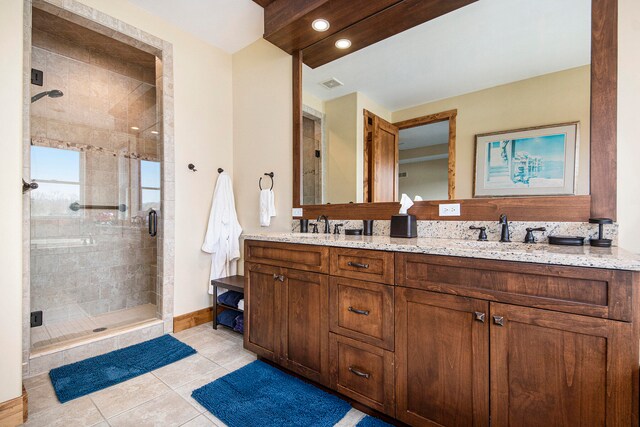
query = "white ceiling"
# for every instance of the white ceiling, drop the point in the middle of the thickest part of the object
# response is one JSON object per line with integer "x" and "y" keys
{"x": 228, "y": 24}
{"x": 485, "y": 44}
{"x": 424, "y": 136}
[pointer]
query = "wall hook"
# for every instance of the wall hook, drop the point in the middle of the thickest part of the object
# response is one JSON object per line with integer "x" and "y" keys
{"x": 220, "y": 170}
{"x": 192, "y": 167}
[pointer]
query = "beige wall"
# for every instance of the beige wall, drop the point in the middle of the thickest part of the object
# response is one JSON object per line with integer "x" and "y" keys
{"x": 203, "y": 136}
{"x": 430, "y": 150}
{"x": 342, "y": 149}
{"x": 262, "y": 136}
{"x": 628, "y": 124}
{"x": 11, "y": 49}
{"x": 313, "y": 102}
{"x": 552, "y": 98}
{"x": 428, "y": 180}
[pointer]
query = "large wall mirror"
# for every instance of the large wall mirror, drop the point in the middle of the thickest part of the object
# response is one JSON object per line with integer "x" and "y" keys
{"x": 475, "y": 103}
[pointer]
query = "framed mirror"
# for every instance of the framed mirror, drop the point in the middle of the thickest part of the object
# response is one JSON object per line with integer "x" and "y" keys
{"x": 362, "y": 135}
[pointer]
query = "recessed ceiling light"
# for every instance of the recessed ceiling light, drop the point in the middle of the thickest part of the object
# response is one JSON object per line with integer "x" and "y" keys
{"x": 343, "y": 44}
{"x": 320, "y": 25}
{"x": 155, "y": 132}
{"x": 135, "y": 128}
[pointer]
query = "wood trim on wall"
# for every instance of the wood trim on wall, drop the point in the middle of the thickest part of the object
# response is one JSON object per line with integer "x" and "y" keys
{"x": 193, "y": 319}
{"x": 14, "y": 412}
{"x": 451, "y": 116}
{"x": 297, "y": 129}
{"x": 604, "y": 108}
{"x": 560, "y": 208}
{"x": 600, "y": 203}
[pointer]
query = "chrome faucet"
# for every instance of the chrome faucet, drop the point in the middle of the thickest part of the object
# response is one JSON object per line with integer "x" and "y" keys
{"x": 504, "y": 235}
{"x": 326, "y": 223}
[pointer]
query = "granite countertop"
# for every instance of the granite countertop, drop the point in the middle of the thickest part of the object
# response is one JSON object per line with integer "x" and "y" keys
{"x": 541, "y": 253}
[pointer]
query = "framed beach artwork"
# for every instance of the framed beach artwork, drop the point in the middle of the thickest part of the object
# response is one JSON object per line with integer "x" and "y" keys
{"x": 538, "y": 161}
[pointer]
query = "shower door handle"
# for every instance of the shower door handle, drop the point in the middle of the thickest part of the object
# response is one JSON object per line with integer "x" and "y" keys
{"x": 153, "y": 223}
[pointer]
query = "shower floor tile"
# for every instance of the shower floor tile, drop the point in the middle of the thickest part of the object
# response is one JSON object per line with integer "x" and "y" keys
{"x": 64, "y": 330}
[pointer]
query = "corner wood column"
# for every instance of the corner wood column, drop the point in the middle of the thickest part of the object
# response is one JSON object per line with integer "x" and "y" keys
{"x": 297, "y": 128}
{"x": 604, "y": 114}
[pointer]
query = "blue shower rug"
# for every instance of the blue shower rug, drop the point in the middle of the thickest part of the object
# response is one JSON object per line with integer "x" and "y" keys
{"x": 259, "y": 395}
{"x": 372, "y": 422}
{"x": 93, "y": 374}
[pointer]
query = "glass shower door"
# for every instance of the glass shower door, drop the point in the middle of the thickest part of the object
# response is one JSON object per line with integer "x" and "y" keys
{"x": 93, "y": 260}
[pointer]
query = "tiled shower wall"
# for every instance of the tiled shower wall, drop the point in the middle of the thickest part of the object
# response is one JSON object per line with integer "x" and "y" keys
{"x": 94, "y": 261}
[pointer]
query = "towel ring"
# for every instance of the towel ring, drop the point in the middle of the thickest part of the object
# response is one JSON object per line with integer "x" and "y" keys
{"x": 270, "y": 175}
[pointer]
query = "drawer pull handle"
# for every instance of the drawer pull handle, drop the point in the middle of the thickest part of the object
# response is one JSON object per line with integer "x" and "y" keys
{"x": 498, "y": 320}
{"x": 356, "y": 311}
{"x": 479, "y": 316}
{"x": 359, "y": 373}
{"x": 357, "y": 264}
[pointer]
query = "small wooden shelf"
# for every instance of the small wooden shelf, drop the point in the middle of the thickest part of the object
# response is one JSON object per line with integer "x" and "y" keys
{"x": 231, "y": 283}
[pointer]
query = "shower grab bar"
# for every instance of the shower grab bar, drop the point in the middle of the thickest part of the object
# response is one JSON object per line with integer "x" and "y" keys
{"x": 77, "y": 206}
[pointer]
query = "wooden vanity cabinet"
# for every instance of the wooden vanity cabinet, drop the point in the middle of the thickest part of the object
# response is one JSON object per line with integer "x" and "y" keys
{"x": 450, "y": 341}
{"x": 559, "y": 369}
{"x": 288, "y": 318}
{"x": 442, "y": 359}
{"x": 461, "y": 344}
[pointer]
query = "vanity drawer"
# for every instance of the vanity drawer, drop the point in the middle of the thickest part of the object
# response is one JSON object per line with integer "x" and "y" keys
{"x": 362, "y": 372}
{"x": 362, "y": 310}
{"x": 295, "y": 256}
{"x": 375, "y": 266}
{"x": 587, "y": 291}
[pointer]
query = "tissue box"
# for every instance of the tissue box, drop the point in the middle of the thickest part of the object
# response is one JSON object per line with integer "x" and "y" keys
{"x": 404, "y": 225}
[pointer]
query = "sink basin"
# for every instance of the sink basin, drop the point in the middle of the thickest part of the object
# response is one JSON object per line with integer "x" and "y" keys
{"x": 488, "y": 245}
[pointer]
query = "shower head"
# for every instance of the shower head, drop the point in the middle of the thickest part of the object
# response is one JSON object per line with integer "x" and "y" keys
{"x": 55, "y": 93}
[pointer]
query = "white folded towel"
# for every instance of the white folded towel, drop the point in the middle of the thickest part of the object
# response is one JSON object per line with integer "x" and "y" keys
{"x": 267, "y": 207}
{"x": 241, "y": 304}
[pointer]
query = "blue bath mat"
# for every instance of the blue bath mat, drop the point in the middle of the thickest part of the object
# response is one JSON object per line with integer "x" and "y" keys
{"x": 372, "y": 422}
{"x": 93, "y": 374}
{"x": 259, "y": 395}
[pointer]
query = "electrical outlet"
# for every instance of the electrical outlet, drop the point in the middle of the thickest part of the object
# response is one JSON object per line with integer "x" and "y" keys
{"x": 296, "y": 211}
{"x": 450, "y": 209}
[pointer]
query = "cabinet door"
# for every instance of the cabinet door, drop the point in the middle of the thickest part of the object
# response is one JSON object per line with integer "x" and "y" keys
{"x": 263, "y": 293}
{"x": 306, "y": 325}
{"x": 557, "y": 369}
{"x": 442, "y": 359}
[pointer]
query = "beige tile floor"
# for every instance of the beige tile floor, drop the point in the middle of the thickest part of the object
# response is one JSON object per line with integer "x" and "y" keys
{"x": 59, "y": 332}
{"x": 159, "y": 398}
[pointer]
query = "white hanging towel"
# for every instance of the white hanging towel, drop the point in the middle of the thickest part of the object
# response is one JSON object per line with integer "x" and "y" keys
{"x": 222, "y": 240}
{"x": 267, "y": 207}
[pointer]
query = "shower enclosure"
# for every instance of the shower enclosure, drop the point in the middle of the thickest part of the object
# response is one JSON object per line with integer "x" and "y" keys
{"x": 96, "y": 157}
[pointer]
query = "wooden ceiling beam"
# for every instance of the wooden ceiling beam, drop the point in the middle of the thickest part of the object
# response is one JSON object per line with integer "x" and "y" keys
{"x": 287, "y": 23}
{"x": 393, "y": 20}
{"x": 263, "y": 3}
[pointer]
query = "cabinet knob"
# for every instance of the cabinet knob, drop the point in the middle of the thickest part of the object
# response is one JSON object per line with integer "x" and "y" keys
{"x": 356, "y": 311}
{"x": 359, "y": 373}
{"x": 498, "y": 320}
{"x": 479, "y": 316}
